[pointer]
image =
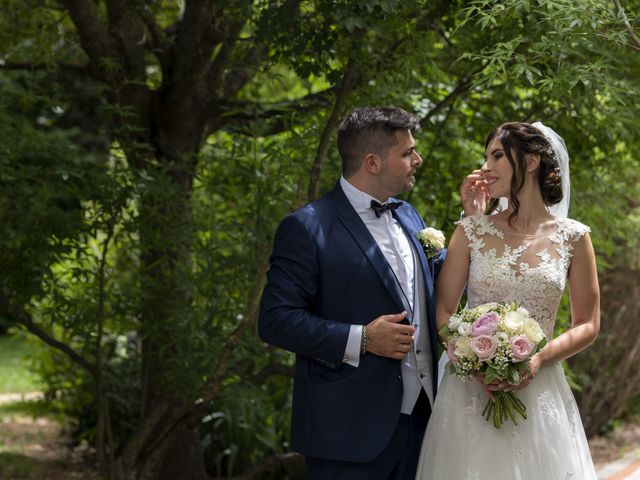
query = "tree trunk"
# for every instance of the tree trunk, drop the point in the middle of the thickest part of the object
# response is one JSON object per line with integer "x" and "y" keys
{"x": 179, "y": 458}
{"x": 166, "y": 238}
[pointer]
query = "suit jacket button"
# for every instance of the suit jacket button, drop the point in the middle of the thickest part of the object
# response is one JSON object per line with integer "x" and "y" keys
{"x": 418, "y": 351}
{"x": 422, "y": 375}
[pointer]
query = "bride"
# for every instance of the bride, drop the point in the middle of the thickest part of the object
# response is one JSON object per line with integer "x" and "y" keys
{"x": 524, "y": 253}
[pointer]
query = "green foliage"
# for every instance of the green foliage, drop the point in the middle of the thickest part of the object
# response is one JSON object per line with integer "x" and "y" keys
{"x": 110, "y": 257}
{"x": 29, "y": 408}
{"x": 71, "y": 392}
{"x": 40, "y": 204}
{"x": 16, "y": 465}
{"x": 250, "y": 422}
{"x": 16, "y": 354}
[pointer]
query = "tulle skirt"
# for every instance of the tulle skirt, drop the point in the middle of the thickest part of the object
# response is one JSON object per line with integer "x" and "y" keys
{"x": 550, "y": 444}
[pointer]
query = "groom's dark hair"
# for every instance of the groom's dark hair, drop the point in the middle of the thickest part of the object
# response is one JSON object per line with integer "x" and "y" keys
{"x": 371, "y": 130}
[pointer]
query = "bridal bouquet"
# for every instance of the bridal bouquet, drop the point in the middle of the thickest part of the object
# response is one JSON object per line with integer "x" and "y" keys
{"x": 495, "y": 340}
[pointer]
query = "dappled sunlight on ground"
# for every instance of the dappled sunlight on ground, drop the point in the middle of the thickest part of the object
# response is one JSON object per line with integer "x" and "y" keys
{"x": 36, "y": 448}
{"x": 616, "y": 444}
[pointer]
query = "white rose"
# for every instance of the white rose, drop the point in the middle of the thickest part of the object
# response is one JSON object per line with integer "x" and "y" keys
{"x": 485, "y": 307}
{"x": 463, "y": 347}
{"x": 433, "y": 237}
{"x": 514, "y": 321}
{"x": 454, "y": 322}
{"x": 464, "y": 329}
{"x": 502, "y": 337}
{"x": 533, "y": 331}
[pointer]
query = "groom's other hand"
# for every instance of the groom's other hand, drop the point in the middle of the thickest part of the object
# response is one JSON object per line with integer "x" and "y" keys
{"x": 474, "y": 194}
{"x": 387, "y": 337}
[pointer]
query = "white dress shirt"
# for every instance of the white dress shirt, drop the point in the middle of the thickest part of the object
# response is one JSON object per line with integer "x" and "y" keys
{"x": 397, "y": 250}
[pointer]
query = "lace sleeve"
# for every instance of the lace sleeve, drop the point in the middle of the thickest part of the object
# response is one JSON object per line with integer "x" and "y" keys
{"x": 571, "y": 231}
{"x": 467, "y": 225}
{"x": 475, "y": 227}
{"x": 577, "y": 230}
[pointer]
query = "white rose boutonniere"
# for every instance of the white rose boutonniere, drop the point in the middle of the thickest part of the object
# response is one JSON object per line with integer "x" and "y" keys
{"x": 432, "y": 240}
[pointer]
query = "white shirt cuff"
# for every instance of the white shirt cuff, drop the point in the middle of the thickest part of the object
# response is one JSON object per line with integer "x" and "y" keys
{"x": 352, "y": 352}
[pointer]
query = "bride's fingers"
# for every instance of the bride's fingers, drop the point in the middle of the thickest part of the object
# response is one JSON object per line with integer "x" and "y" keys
{"x": 526, "y": 380}
{"x": 472, "y": 180}
{"x": 490, "y": 394}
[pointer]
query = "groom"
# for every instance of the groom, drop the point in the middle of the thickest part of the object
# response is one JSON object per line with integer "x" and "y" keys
{"x": 351, "y": 292}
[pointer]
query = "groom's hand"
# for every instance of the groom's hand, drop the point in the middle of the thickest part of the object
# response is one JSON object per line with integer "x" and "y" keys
{"x": 389, "y": 338}
{"x": 474, "y": 194}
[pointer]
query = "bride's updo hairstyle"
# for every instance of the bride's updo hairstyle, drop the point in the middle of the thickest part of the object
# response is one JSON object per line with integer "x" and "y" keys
{"x": 518, "y": 139}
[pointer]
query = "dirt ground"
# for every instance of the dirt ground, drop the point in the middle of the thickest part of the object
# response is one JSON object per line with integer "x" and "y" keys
{"x": 605, "y": 449}
{"x": 37, "y": 449}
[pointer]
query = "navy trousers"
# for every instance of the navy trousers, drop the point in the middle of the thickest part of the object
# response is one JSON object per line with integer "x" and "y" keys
{"x": 398, "y": 461}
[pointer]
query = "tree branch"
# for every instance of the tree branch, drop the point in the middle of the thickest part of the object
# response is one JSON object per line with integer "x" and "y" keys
{"x": 269, "y": 370}
{"x": 627, "y": 24}
{"x": 93, "y": 35}
{"x": 249, "y": 319}
{"x": 429, "y": 154}
{"x": 461, "y": 88}
{"x": 23, "y": 318}
{"x": 350, "y": 74}
{"x": 162, "y": 425}
{"x": 219, "y": 64}
{"x": 126, "y": 28}
{"x": 195, "y": 42}
{"x": 158, "y": 41}
{"x": 239, "y": 117}
{"x": 140, "y": 436}
{"x": 43, "y": 66}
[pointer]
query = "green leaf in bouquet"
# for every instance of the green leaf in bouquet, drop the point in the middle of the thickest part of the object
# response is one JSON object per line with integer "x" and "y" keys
{"x": 542, "y": 344}
{"x": 444, "y": 331}
{"x": 490, "y": 375}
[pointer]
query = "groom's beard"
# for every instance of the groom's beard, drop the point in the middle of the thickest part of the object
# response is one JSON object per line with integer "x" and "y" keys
{"x": 395, "y": 185}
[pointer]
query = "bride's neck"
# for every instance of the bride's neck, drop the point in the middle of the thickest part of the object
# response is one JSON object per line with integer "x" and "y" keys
{"x": 532, "y": 212}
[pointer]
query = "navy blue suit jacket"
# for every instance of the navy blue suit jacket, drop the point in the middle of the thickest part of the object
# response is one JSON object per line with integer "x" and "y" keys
{"x": 326, "y": 274}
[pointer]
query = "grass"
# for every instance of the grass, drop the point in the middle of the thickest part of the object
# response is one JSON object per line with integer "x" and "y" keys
{"x": 15, "y": 375}
{"x": 32, "y": 440}
{"x": 31, "y": 409}
{"x": 30, "y": 444}
{"x": 16, "y": 465}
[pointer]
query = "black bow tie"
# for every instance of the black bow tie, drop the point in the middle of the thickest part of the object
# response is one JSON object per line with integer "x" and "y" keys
{"x": 387, "y": 207}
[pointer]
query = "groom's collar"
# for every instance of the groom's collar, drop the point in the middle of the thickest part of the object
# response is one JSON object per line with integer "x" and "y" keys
{"x": 359, "y": 200}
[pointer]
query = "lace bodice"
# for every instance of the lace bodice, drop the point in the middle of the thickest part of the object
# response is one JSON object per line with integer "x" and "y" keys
{"x": 529, "y": 270}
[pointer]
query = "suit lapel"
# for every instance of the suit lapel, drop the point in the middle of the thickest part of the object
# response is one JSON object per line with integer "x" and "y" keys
{"x": 411, "y": 231}
{"x": 411, "y": 228}
{"x": 360, "y": 233}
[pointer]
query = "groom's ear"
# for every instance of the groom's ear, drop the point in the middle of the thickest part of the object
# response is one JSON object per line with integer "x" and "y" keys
{"x": 372, "y": 163}
{"x": 532, "y": 162}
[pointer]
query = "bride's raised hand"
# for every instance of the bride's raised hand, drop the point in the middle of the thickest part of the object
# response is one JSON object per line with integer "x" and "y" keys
{"x": 474, "y": 194}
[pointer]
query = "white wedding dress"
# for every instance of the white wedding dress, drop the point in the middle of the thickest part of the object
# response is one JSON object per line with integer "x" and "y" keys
{"x": 550, "y": 444}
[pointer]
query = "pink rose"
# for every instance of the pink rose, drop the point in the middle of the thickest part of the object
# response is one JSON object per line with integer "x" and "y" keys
{"x": 485, "y": 325}
{"x": 484, "y": 346}
{"x": 521, "y": 347}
